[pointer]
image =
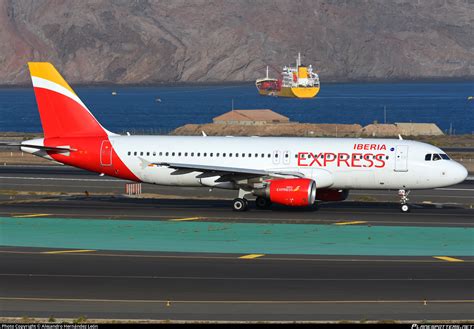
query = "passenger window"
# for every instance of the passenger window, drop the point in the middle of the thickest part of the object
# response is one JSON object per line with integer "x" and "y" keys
{"x": 250, "y": 155}
{"x": 199, "y": 154}
{"x": 211, "y": 155}
{"x": 428, "y": 157}
{"x": 166, "y": 153}
{"x": 172, "y": 154}
{"x": 134, "y": 153}
{"x": 205, "y": 154}
{"x": 256, "y": 155}
{"x": 148, "y": 154}
{"x": 243, "y": 155}
{"x": 217, "y": 154}
{"x": 236, "y": 155}
{"x": 179, "y": 154}
{"x": 436, "y": 157}
{"x": 230, "y": 155}
{"x": 192, "y": 154}
{"x": 129, "y": 153}
{"x": 154, "y": 154}
{"x": 263, "y": 155}
{"x": 161, "y": 153}
{"x": 223, "y": 154}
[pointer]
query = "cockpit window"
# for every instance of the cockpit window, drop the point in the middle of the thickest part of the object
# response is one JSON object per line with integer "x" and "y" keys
{"x": 436, "y": 157}
{"x": 445, "y": 156}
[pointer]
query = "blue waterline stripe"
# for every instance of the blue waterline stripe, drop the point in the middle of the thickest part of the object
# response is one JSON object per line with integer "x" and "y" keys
{"x": 241, "y": 238}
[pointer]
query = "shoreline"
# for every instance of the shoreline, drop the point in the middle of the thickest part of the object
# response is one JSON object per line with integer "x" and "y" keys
{"x": 329, "y": 81}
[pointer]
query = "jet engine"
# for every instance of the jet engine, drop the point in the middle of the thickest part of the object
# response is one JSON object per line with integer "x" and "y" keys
{"x": 289, "y": 192}
{"x": 332, "y": 195}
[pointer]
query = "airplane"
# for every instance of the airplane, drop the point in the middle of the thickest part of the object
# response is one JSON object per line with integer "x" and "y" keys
{"x": 289, "y": 171}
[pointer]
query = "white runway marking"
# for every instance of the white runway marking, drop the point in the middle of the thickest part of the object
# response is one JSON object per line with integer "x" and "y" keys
{"x": 64, "y": 179}
{"x": 454, "y": 189}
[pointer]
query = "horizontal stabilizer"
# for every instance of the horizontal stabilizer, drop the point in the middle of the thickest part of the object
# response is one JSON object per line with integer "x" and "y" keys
{"x": 42, "y": 147}
{"x": 50, "y": 148}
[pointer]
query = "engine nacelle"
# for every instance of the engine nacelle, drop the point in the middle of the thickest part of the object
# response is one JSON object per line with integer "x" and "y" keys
{"x": 290, "y": 192}
{"x": 332, "y": 195}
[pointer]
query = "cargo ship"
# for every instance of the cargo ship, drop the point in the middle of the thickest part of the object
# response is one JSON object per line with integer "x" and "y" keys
{"x": 296, "y": 81}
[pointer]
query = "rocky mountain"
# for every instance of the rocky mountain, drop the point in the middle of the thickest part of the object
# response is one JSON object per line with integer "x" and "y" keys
{"x": 145, "y": 41}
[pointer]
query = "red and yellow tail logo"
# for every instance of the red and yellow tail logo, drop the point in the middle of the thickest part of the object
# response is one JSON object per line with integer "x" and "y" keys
{"x": 62, "y": 113}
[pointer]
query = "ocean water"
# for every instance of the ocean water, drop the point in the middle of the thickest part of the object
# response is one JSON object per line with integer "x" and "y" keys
{"x": 137, "y": 110}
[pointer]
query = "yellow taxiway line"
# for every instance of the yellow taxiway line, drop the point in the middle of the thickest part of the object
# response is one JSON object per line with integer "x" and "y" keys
{"x": 67, "y": 251}
{"x": 31, "y": 215}
{"x": 448, "y": 259}
{"x": 184, "y": 219}
{"x": 351, "y": 223}
{"x": 251, "y": 256}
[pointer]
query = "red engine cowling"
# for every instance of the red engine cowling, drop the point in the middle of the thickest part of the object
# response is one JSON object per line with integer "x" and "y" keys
{"x": 290, "y": 192}
{"x": 332, "y": 195}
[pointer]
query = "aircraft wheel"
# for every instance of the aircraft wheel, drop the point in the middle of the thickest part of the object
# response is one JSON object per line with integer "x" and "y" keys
{"x": 405, "y": 208}
{"x": 262, "y": 203}
{"x": 240, "y": 204}
{"x": 315, "y": 206}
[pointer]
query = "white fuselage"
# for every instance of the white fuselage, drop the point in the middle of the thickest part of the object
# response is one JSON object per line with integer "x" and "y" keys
{"x": 337, "y": 163}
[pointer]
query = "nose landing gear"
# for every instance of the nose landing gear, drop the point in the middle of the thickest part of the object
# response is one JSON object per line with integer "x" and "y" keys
{"x": 404, "y": 207}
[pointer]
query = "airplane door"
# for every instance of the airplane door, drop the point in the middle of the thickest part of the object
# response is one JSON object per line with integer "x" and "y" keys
{"x": 401, "y": 158}
{"x": 276, "y": 157}
{"x": 106, "y": 154}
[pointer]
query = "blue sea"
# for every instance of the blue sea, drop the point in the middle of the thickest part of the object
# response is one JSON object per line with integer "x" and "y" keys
{"x": 137, "y": 110}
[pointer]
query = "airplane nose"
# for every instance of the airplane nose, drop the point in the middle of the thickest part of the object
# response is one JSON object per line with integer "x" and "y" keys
{"x": 459, "y": 173}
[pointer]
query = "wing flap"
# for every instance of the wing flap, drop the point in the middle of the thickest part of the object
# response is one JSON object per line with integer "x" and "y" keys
{"x": 209, "y": 171}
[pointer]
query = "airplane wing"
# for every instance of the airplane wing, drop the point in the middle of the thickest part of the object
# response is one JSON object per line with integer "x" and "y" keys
{"x": 219, "y": 170}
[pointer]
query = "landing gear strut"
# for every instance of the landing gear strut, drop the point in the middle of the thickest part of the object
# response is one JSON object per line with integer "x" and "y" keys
{"x": 404, "y": 207}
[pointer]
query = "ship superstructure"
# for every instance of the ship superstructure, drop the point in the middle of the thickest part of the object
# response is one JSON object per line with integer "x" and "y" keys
{"x": 298, "y": 81}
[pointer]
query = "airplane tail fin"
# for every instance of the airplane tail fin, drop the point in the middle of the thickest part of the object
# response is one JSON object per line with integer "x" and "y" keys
{"x": 62, "y": 113}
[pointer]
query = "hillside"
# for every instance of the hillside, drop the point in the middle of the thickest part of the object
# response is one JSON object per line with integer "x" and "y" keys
{"x": 142, "y": 41}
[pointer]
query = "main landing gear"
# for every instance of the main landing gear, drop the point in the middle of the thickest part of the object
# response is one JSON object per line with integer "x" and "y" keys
{"x": 262, "y": 203}
{"x": 240, "y": 204}
{"x": 404, "y": 207}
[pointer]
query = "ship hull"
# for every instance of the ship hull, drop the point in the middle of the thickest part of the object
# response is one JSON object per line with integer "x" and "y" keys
{"x": 265, "y": 92}
{"x": 299, "y": 92}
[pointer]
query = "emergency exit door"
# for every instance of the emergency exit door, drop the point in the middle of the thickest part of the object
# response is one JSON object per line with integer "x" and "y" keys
{"x": 401, "y": 158}
{"x": 106, "y": 154}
